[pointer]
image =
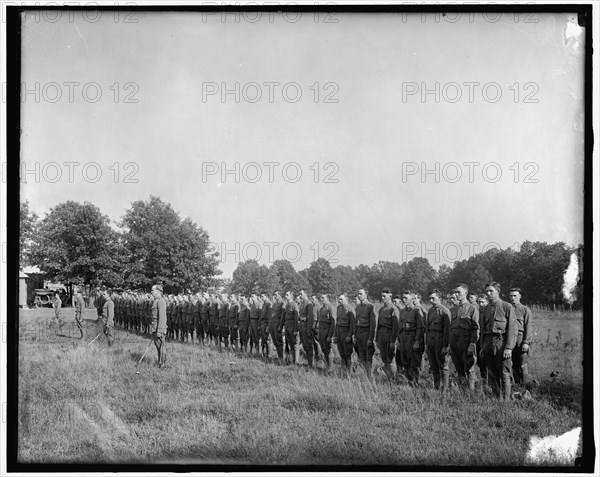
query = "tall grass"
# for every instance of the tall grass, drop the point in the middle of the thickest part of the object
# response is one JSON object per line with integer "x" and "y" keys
{"x": 81, "y": 403}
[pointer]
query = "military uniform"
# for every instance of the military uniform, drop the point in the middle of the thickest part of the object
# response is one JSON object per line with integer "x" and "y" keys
{"x": 481, "y": 360}
{"x": 290, "y": 324}
{"x": 437, "y": 342}
{"x": 464, "y": 333}
{"x": 108, "y": 312}
{"x": 170, "y": 305}
{"x": 326, "y": 320}
{"x": 254, "y": 317}
{"x": 232, "y": 320}
{"x": 275, "y": 327}
{"x": 365, "y": 334}
{"x": 187, "y": 320}
{"x": 213, "y": 320}
{"x": 158, "y": 327}
{"x": 223, "y": 325}
{"x": 386, "y": 335}
{"x": 315, "y": 331}
{"x": 498, "y": 333}
{"x": 520, "y": 358}
{"x": 79, "y": 307}
{"x": 345, "y": 325}
{"x": 204, "y": 315}
{"x": 265, "y": 315}
{"x": 197, "y": 323}
{"x": 245, "y": 326}
{"x": 306, "y": 324}
{"x": 411, "y": 328}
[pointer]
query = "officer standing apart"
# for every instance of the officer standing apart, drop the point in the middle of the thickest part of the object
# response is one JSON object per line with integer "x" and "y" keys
{"x": 108, "y": 312}
{"x": 159, "y": 323}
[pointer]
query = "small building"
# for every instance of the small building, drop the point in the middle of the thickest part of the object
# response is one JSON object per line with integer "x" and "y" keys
{"x": 30, "y": 278}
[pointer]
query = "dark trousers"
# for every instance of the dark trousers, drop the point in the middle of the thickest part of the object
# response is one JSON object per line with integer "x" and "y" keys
{"x": 233, "y": 334}
{"x": 407, "y": 359}
{"x": 244, "y": 337}
{"x": 291, "y": 346}
{"x": 264, "y": 338}
{"x": 463, "y": 362}
{"x": 439, "y": 363}
{"x": 159, "y": 342}
{"x": 254, "y": 334}
{"x": 324, "y": 330}
{"x": 345, "y": 349}
{"x": 498, "y": 369}
{"x": 277, "y": 338}
{"x": 306, "y": 338}
{"x": 520, "y": 362}
{"x": 224, "y": 334}
{"x": 365, "y": 352}
{"x": 386, "y": 347}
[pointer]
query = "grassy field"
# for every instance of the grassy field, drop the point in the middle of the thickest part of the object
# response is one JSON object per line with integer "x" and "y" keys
{"x": 81, "y": 403}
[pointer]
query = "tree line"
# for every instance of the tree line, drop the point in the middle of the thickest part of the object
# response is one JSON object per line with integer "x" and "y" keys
{"x": 75, "y": 243}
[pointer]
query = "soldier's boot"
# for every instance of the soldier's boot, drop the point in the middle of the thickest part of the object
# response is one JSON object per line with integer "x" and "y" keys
{"x": 327, "y": 361}
{"x": 369, "y": 369}
{"x": 445, "y": 384}
{"x": 309, "y": 357}
{"x": 472, "y": 381}
{"x": 414, "y": 377}
{"x": 507, "y": 388}
{"x": 525, "y": 375}
{"x": 296, "y": 354}
{"x": 387, "y": 369}
{"x": 81, "y": 334}
{"x": 436, "y": 380}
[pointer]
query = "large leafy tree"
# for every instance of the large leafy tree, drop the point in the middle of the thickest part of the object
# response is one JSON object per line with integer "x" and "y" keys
{"x": 28, "y": 222}
{"x": 164, "y": 248}
{"x": 287, "y": 276}
{"x": 74, "y": 243}
{"x": 417, "y": 275}
{"x": 345, "y": 280}
{"x": 250, "y": 277}
{"x": 321, "y": 278}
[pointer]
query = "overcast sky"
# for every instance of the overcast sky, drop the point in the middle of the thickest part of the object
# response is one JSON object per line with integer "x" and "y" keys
{"x": 509, "y": 101}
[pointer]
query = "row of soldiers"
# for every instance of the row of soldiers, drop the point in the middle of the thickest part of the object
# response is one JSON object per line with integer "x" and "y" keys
{"x": 471, "y": 329}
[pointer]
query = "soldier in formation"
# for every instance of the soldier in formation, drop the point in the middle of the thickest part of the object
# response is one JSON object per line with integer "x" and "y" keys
{"x": 473, "y": 330}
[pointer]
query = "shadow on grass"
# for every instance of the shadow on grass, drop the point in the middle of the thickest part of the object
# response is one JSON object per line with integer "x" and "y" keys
{"x": 561, "y": 393}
